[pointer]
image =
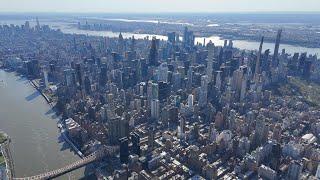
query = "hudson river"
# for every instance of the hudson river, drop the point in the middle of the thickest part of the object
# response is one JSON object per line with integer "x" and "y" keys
{"x": 27, "y": 118}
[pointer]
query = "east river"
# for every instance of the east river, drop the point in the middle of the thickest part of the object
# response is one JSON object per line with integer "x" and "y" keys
{"x": 27, "y": 118}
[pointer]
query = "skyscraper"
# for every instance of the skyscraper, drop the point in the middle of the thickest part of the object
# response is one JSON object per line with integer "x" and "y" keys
{"x": 258, "y": 62}
{"x": 153, "y": 55}
{"x": 275, "y": 60}
{"x": 210, "y": 48}
{"x": 124, "y": 150}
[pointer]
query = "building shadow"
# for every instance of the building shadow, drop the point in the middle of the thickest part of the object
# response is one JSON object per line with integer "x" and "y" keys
{"x": 32, "y": 96}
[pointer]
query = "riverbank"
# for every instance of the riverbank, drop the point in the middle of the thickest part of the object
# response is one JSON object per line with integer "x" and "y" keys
{"x": 36, "y": 85}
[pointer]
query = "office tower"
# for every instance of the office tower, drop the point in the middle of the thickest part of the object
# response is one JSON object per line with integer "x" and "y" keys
{"x": 232, "y": 119}
{"x": 135, "y": 139}
{"x": 133, "y": 44}
{"x": 243, "y": 88}
{"x": 172, "y": 37}
{"x": 124, "y": 150}
{"x": 261, "y": 131}
{"x": 210, "y": 48}
{"x": 302, "y": 60}
{"x": 190, "y": 101}
{"x": 118, "y": 128}
{"x": 265, "y": 63}
{"x": 275, "y": 60}
{"x": 45, "y": 75}
{"x": 306, "y": 71}
{"x": 218, "y": 80}
{"x": 87, "y": 84}
{"x": 258, "y": 63}
{"x": 190, "y": 76}
{"x": 164, "y": 90}
{"x": 176, "y": 81}
{"x": 103, "y": 75}
{"x": 79, "y": 74}
{"x": 153, "y": 55}
{"x": 188, "y": 38}
{"x": 151, "y": 139}
{"x": 225, "y": 43}
{"x": 69, "y": 77}
{"x": 163, "y": 72}
{"x": 120, "y": 44}
{"x": 230, "y": 44}
{"x": 27, "y": 25}
{"x": 182, "y": 125}
{"x": 154, "y": 91}
{"x": 203, "y": 99}
{"x": 155, "y": 109}
{"x": 38, "y": 24}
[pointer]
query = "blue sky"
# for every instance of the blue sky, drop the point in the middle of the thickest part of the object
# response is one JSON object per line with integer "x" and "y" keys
{"x": 150, "y": 6}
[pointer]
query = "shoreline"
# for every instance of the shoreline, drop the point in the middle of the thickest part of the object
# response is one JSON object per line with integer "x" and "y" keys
{"x": 62, "y": 130}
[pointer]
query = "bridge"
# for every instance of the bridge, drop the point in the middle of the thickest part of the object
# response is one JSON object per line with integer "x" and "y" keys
{"x": 5, "y": 149}
{"x": 97, "y": 155}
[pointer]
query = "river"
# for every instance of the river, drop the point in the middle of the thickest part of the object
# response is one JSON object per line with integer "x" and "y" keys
{"x": 26, "y": 117}
{"x": 218, "y": 41}
{"x": 66, "y": 27}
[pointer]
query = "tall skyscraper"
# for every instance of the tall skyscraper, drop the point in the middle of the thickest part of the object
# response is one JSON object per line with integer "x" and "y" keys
{"x": 275, "y": 60}
{"x": 135, "y": 139}
{"x": 120, "y": 44}
{"x": 155, "y": 109}
{"x": 124, "y": 150}
{"x": 258, "y": 62}
{"x": 188, "y": 38}
{"x": 172, "y": 37}
{"x": 210, "y": 48}
{"x": 153, "y": 55}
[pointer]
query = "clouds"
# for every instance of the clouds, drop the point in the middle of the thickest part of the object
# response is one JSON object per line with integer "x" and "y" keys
{"x": 158, "y": 5}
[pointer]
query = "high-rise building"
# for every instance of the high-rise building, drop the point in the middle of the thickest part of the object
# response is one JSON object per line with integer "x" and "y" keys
{"x": 163, "y": 72}
{"x": 103, "y": 75}
{"x": 135, "y": 139}
{"x": 258, "y": 62}
{"x": 155, "y": 109}
{"x": 210, "y": 58}
{"x": 69, "y": 77}
{"x": 190, "y": 101}
{"x": 188, "y": 38}
{"x": 45, "y": 75}
{"x": 153, "y": 55}
{"x": 87, "y": 84}
{"x": 124, "y": 150}
{"x": 275, "y": 60}
{"x": 172, "y": 37}
{"x": 151, "y": 139}
{"x": 120, "y": 44}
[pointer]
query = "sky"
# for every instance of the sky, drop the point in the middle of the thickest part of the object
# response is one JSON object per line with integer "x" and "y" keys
{"x": 150, "y": 6}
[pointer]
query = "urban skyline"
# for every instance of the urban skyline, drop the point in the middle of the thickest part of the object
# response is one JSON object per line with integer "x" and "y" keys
{"x": 121, "y": 91}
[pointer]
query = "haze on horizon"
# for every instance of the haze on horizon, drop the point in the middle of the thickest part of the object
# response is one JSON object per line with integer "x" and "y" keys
{"x": 152, "y": 6}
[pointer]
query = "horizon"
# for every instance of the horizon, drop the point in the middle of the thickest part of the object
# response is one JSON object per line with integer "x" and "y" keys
{"x": 160, "y": 6}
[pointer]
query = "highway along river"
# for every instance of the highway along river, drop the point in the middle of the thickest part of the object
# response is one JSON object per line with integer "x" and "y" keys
{"x": 26, "y": 117}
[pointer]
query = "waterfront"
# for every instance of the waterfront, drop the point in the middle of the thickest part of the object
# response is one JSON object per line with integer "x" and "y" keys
{"x": 70, "y": 28}
{"x": 37, "y": 145}
{"x": 218, "y": 41}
